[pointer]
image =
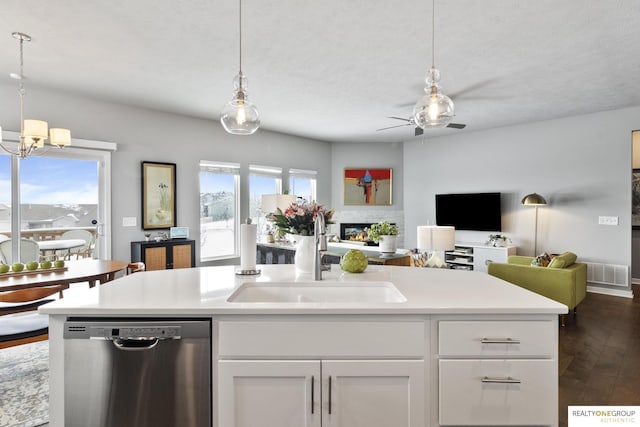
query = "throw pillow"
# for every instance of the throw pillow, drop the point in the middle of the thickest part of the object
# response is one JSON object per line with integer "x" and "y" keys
{"x": 557, "y": 262}
{"x": 541, "y": 260}
{"x": 569, "y": 258}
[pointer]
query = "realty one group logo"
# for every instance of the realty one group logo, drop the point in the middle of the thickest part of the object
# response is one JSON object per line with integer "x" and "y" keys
{"x": 588, "y": 416}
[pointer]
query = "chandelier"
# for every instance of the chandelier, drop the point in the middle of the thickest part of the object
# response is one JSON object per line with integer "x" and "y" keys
{"x": 33, "y": 133}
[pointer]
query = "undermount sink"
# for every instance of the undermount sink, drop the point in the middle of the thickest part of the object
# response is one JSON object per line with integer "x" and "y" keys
{"x": 317, "y": 292}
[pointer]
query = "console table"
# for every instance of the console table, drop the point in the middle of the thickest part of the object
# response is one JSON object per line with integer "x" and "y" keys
{"x": 284, "y": 253}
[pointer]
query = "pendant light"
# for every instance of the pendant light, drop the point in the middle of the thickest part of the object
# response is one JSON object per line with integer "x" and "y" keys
{"x": 239, "y": 116}
{"x": 434, "y": 109}
{"x": 33, "y": 133}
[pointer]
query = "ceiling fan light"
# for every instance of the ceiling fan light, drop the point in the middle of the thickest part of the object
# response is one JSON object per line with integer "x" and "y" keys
{"x": 433, "y": 111}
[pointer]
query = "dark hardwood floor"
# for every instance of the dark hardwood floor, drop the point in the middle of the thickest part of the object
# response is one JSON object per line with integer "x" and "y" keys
{"x": 599, "y": 360}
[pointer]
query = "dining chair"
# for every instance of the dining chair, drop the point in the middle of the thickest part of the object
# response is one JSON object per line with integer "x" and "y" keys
{"x": 29, "y": 251}
{"x": 85, "y": 251}
{"x": 20, "y": 322}
{"x": 135, "y": 267}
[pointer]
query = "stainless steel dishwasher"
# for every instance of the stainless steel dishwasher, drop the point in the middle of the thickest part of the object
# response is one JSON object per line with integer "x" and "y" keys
{"x": 137, "y": 372}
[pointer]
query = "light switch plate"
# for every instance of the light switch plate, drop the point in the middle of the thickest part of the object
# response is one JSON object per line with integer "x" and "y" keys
{"x": 129, "y": 221}
{"x": 608, "y": 220}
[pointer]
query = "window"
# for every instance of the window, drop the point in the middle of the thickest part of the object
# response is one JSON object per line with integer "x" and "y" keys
{"x": 60, "y": 191}
{"x": 262, "y": 180}
{"x": 219, "y": 210}
{"x": 302, "y": 183}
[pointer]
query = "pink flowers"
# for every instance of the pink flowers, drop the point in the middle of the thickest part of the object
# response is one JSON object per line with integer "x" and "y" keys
{"x": 299, "y": 218}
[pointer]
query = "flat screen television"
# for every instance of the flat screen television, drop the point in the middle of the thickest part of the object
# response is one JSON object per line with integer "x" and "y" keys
{"x": 472, "y": 211}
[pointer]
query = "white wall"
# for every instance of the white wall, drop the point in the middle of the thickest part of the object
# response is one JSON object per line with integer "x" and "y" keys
{"x": 373, "y": 155}
{"x": 581, "y": 165}
{"x": 143, "y": 134}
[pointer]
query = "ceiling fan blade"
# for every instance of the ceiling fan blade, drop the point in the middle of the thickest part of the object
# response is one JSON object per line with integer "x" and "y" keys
{"x": 399, "y": 118}
{"x": 456, "y": 125}
{"x": 418, "y": 131}
{"x": 391, "y": 127}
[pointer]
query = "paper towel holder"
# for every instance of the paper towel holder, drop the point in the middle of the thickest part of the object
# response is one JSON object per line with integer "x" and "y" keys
{"x": 251, "y": 272}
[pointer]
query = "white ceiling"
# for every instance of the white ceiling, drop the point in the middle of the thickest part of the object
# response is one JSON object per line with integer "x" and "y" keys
{"x": 335, "y": 69}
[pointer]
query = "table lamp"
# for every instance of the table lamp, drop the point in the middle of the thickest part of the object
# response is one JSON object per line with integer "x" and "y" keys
{"x": 436, "y": 238}
{"x": 536, "y": 200}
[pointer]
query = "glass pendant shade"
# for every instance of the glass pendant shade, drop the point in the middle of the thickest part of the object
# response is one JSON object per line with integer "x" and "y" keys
{"x": 60, "y": 137}
{"x": 434, "y": 109}
{"x": 239, "y": 116}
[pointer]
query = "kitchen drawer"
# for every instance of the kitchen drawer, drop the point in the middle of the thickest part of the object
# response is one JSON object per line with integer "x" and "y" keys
{"x": 321, "y": 339}
{"x": 466, "y": 400}
{"x": 497, "y": 339}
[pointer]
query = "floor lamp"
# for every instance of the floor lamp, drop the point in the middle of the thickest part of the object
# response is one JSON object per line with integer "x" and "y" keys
{"x": 535, "y": 200}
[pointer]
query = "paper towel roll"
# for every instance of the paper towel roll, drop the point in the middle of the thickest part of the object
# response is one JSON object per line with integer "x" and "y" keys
{"x": 248, "y": 248}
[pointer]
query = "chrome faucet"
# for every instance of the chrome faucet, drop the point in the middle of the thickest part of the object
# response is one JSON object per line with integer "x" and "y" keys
{"x": 320, "y": 247}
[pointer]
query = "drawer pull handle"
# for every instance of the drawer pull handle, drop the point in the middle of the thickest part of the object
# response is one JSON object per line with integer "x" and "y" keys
{"x": 312, "y": 393}
{"x": 329, "y": 394}
{"x": 507, "y": 380}
{"x": 499, "y": 341}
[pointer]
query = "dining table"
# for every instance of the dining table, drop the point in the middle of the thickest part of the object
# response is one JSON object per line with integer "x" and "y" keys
{"x": 84, "y": 270}
{"x": 60, "y": 245}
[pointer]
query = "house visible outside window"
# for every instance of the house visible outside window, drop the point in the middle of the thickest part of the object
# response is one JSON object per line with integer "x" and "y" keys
{"x": 302, "y": 183}
{"x": 219, "y": 210}
{"x": 60, "y": 192}
{"x": 262, "y": 180}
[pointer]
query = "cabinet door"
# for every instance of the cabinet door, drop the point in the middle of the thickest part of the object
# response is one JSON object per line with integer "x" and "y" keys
{"x": 155, "y": 258}
{"x": 483, "y": 256}
{"x": 380, "y": 393}
{"x": 269, "y": 393}
{"x": 181, "y": 256}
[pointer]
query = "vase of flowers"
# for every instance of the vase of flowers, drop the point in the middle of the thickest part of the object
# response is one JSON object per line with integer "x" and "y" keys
{"x": 299, "y": 219}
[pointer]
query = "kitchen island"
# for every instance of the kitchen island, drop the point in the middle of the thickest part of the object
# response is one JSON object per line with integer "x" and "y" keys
{"x": 391, "y": 346}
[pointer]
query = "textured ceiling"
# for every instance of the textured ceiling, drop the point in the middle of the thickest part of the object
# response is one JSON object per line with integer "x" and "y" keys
{"x": 335, "y": 69}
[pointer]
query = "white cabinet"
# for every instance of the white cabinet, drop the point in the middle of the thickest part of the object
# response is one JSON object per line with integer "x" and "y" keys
{"x": 497, "y": 373}
{"x": 470, "y": 256}
{"x": 331, "y": 393}
{"x": 298, "y": 373}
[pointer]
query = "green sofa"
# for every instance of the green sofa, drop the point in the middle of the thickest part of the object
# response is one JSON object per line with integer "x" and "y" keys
{"x": 563, "y": 280}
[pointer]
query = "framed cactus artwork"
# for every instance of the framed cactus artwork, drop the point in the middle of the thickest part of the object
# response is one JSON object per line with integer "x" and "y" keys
{"x": 158, "y": 195}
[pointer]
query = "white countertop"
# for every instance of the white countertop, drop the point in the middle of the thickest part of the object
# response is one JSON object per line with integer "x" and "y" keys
{"x": 204, "y": 291}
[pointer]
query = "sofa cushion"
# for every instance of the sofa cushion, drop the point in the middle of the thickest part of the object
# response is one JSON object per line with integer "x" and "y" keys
{"x": 569, "y": 258}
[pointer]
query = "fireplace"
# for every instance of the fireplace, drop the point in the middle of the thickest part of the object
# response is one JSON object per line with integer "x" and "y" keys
{"x": 354, "y": 231}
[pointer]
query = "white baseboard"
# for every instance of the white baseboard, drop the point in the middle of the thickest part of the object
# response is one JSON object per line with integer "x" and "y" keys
{"x": 626, "y": 293}
{"x": 635, "y": 281}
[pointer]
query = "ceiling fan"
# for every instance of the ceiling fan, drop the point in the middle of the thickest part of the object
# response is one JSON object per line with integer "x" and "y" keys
{"x": 418, "y": 130}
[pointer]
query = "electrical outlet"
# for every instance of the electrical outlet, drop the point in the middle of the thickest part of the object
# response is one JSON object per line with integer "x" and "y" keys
{"x": 129, "y": 221}
{"x": 608, "y": 220}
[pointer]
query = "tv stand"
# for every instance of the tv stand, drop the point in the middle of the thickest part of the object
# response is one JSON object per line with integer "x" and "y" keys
{"x": 476, "y": 256}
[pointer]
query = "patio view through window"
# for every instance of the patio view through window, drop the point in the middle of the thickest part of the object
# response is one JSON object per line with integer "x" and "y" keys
{"x": 55, "y": 194}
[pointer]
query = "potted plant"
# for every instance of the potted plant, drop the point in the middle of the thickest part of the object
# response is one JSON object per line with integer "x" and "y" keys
{"x": 498, "y": 240}
{"x": 385, "y": 234}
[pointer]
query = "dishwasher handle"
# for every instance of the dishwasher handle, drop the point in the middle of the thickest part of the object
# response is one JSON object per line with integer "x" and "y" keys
{"x": 135, "y": 344}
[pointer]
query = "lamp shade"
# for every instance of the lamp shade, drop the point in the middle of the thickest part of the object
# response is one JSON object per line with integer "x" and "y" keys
{"x": 60, "y": 137}
{"x": 271, "y": 202}
{"x": 436, "y": 238}
{"x": 533, "y": 199}
{"x": 443, "y": 238}
{"x": 35, "y": 130}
